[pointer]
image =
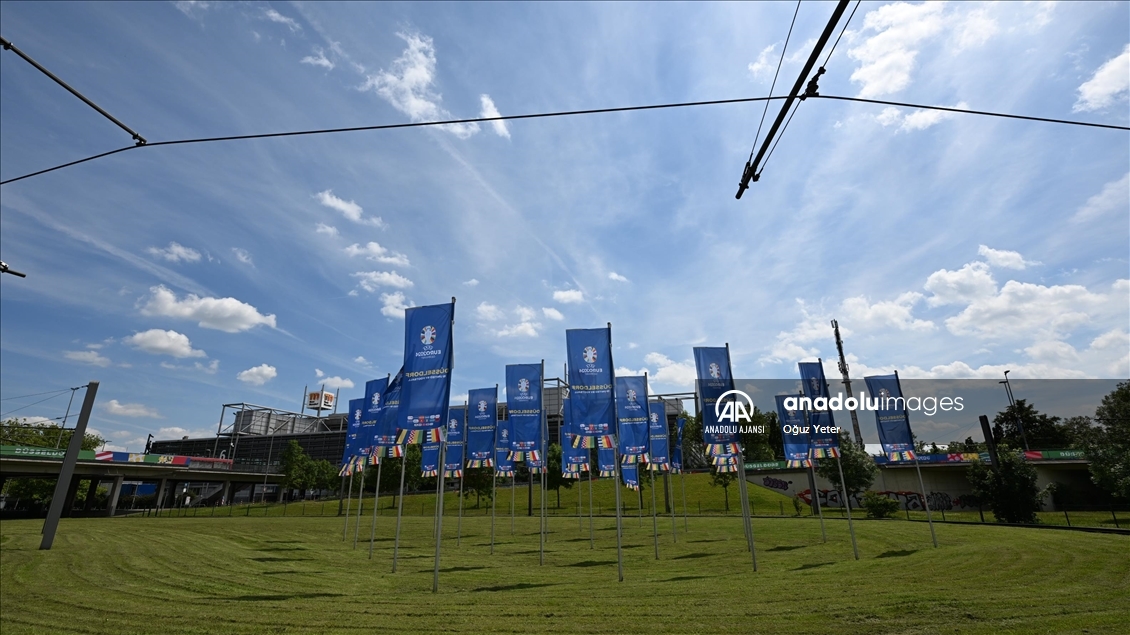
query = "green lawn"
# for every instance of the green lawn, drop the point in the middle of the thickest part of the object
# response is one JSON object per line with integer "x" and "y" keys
{"x": 296, "y": 575}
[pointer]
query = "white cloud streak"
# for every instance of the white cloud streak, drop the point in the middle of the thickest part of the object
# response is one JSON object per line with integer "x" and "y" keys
{"x": 374, "y": 251}
{"x": 159, "y": 342}
{"x": 130, "y": 410}
{"x": 175, "y": 252}
{"x": 1109, "y": 83}
{"x": 489, "y": 110}
{"x": 348, "y": 209}
{"x": 91, "y": 357}
{"x": 258, "y": 375}
{"x": 569, "y": 296}
{"x": 223, "y": 314}
{"x": 372, "y": 281}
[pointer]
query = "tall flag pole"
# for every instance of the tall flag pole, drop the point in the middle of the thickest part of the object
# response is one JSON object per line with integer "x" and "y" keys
{"x": 348, "y": 501}
{"x": 658, "y": 440}
{"x": 525, "y": 386}
{"x": 361, "y": 449}
{"x": 361, "y": 460}
{"x": 349, "y": 457}
{"x": 714, "y": 381}
{"x": 370, "y": 418}
{"x": 894, "y": 428}
{"x": 453, "y": 461}
{"x": 383, "y": 409}
{"x": 504, "y": 466}
{"x": 486, "y": 415}
{"x": 631, "y": 425}
{"x": 544, "y": 433}
{"x": 591, "y": 382}
{"x": 823, "y": 441}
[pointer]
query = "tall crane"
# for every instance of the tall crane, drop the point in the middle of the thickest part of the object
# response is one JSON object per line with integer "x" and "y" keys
{"x": 847, "y": 382}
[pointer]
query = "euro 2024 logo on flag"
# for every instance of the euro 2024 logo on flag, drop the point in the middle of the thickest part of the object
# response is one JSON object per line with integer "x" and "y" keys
{"x": 452, "y": 426}
{"x": 631, "y": 395}
{"x": 715, "y": 371}
{"x": 589, "y": 355}
{"x": 523, "y": 385}
{"x": 655, "y": 417}
{"x": 428, "y": 335}
{"x": 357, "y": 416}
{"x": 376, "y": 399}
{"x": 482, "y": 407}
{"x": 505, "y": 435}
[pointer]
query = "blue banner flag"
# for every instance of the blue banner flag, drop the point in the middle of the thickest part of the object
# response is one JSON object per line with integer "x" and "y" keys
{"x": 353, "y": 439}
{"x": 385, "y": 433}
{"x": 657, "y": 435}
{"x": 794, "y": 433}
{"x": 456, "y": 442}
{"x": 523, "y": 402}
{"x": 631, "y": 418}
{"x": 482, "y": 421}
{"x": 823, "y": 437}
{"x": 502, "y": 463}
{"x": 370, "y": 411}
{"x": 677, "y": 451}
{"x": 714, "y": 380}
{"x": 606, "y": 461}
{"x": 428, "y": 360}
{"x": 890, "y": 416}
{"x": 574, "y": 460}
{"x": 429, "y": 459}
{"x": 591, "y": 378}
{"x": 630, "y": 475}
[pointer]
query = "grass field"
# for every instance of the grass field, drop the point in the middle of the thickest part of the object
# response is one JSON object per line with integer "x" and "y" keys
{"x": 296, "y": 575}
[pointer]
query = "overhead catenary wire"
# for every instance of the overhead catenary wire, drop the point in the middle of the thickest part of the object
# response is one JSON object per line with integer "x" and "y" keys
{"x": 773, "y": 85}
{"x": 37, "y": 394}
{"x": 30, "y": 405}
{"x": 842, "y": 31}
{"x": 423, "y": 124}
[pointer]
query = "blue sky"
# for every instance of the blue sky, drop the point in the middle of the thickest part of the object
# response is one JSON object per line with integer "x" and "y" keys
{"x": 190, "y": 276}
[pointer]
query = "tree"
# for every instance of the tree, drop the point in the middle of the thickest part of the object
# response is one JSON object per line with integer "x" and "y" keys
{"x": 879, "y": 506}
{"x": 296, "y": 468}
{"x": 1107, "y": 445}
{"x": 480, "y": 482}
{"x": 758, "y": 446}
{"x": 859, "y": 468}
{"x": 553, "y": 479}
{"x": 723, "y": 480}
{"x": 44, "y": 435}
{"x": 694, "y": 455}
{"x": 1041, "y": 430}
{"x": 966, "y": 446}
{"x": 1010, "y": 490}
{"x": 323, "y": 475}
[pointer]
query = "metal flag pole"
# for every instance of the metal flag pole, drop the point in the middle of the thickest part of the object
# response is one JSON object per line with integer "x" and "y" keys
{"x": 360, "y": 501}
{"x": 462, "y": 477}
{"x": 816, "y": 498}
{"x": 376, "y": 501}
{"x": 439, "y": 506}
{"x": 399, "y": 507}
{"x": 683, "y": 482}
{"x": 494, "y": 471}
{"x": 580, "y": 522}
{"x": 639, "y": 492}
{"x": 544, "y": 423}
{"x": 592, "y": 543}
{"x": 348, "y": 500}
{"x": 654, "y": 518}
{"x": 847, "y": 505}
{"x": 616, "y": 486}
{"x": 513, "y": 495}
{"x": 921, "y": 484}
{"x": 668, "y": 486}
{"x": 742, "y": 485}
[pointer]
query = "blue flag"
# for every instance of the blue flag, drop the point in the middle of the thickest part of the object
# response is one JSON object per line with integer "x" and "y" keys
{"x": 793, "y": 433}
{"x": 428, "y": 360}
{"x": 502, "y": 463}
{"x": 824, "y": 442}
{"x": 631, "y": 416}
{"x": 574, "y": 460}
{"x": 657, "y": 433}
{"x": 606, "y": 460}
{"x": 677, "y": 451}
{"x": 523, "y": 401}
{"x": 370, "y": 409}
{"x": 352, "y": 435}
{"x": 481, "y": 425}
{"x": 456, "y": 426}
{"x": 630, "y": 475}
{"x": 384, "y": 435}
{"x": 714, "y": 379}
{"x": 429, "y": 459}
{"x": 589, "y": 354}
{"x": 894, "y": 426}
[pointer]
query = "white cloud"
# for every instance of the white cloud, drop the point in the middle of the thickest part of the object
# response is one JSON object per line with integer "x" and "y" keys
{"x": 521, "y": 329}
{"x": 489, "y": 110}
{"x": 885, "y": 314}
{"x": 917, "y": 120}
{"x": 1108, "y": 84}
{"x": 669, "y": 371}
{"x": 211, "y": 368}
{"x": 130, "y": 410}
{"x": 242, "y": 255}
{"x": 158, "y": 342}
{"x": 489, "y": 312}
{"x": 1032, "y": 309}
{"x": 408, "y": 87}
{"x": 974, "y": 29}
{"x": 1005, "y": 259}
{"x": 323, "y": 228}
{"x": 964, "y": 286}
{"x": 612, "y": 275}
{"x": 318, "y": 373}
{"x": 258, "y": 375}
{"x": 88, "y": 357}
{"x": 393, "y": 304}
{"x": 888, "y": 57}
{"x": 525, "y": 313}
{"x": 172, "y": 431}
{"x": 318, "y": 59}
{"x": 569, "y": 296}
{"x": 374, "y": 251}
{"x": 371, "y": 281}
{"x": 187, "y": 7}
{"x": 764, "y": 63}
{"x": 333, "y": 383}
{"x": 362, "y": 361}
{"x": 472, "y": 283}
{"x": 552, "y": 313}
{"x": 223, "y": 314}
{"x": 275, "y": 16}
{"x": 349, "y": 209}
{"x": 1115, "y": 196}
{"x": 175, "y": 252}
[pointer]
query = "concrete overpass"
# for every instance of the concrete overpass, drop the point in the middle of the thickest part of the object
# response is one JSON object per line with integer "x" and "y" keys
{"x": 167, "y": 475}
